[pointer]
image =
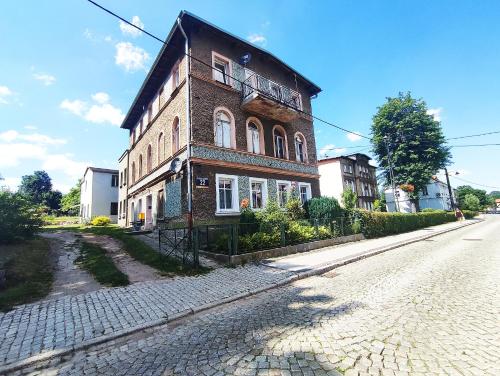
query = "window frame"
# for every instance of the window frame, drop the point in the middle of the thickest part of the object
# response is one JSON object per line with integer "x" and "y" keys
{"x": 308, "y": 191}
{"x": 222, "y": 60}
{"x": 115, "y": 206}
{"x": 235, "y": 195}
{"x": 232, "y": 136}
{"x": 264, "y": 192}
{"x": 161, "y": 147}
{"x": 304, "y": 147}
{"x": 260, "y": 129}
{"x": 289, "y": 191}
{"x": 285, "y": 141}
{"x": 114, "y": 180}
{"x": 149, "y": 159}
{"x": 176, "y": 142}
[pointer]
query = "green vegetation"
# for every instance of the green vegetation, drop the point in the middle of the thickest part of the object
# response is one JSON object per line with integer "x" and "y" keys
{"x": 100, "y": 221}
{"x": 378, "y": 224}
{"x": 28, "y": 272}
{"x": 471, "y": 202}
{"x": 94, "y": 259}
{"x": 349, "y": 199}
{"x": 37, "y": 188}
{"x": 323, "y": 208}
{"x": 71, "y": 200}
{"x": 469, "y": 214}
{"x": 464, "y": 193}
{"x": 19, "y": 219}
{"x": 415, "y": 140}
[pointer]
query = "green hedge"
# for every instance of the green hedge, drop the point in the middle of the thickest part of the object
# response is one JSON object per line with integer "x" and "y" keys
{"x": 377, "y": 224}
{"x": 469, "y": 214}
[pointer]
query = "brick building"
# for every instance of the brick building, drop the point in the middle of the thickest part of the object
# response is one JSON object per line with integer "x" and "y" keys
{"x": 207, "y": 131}
{"x": 349, "y": 172}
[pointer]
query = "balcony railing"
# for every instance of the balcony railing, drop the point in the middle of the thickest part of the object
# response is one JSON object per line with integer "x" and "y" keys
{"x": 258, "y": 85}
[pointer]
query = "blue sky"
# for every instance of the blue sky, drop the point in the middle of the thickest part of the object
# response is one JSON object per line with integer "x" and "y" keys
{"x": 68, "y": 72}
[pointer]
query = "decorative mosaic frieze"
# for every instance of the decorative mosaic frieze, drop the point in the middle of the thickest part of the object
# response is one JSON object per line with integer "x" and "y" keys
{"x": 229, "y": 155}
{"x": 272, "y": 189}
{"x": 173, "y": 207}
{"x": 243, "y": 187}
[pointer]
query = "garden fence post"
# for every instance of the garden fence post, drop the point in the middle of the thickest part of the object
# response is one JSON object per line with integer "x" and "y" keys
{"x": 235, "y": 239}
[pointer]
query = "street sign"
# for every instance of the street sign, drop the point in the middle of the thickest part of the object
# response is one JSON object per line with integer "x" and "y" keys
{"x": 201, "y": 182}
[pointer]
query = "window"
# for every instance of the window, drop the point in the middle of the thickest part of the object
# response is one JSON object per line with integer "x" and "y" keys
{"x": 175, "y": 135}
{"x": 113, "y": 210}
{"x": 254, "y": 135}
{"x": 125, "y": 176}
{"x": 283, "y": 192}
{"x": 425, "y": 192}
{"x": 176, "y": 77}
{"x": 280, "y": 142}
{"x": 221, "y": 71}
{"x": 121, "y": 179}
{"x": 133, "y": 172}
{"x": 114, "y": 180}
{"x": 300, "y": 148}
{"x": 160, "y": 210}
{"x": 140, "y": 166}
{"x": 304, "y": 192}
{"x": 150, "y": 113}
{"x": 227, "y": 193}
{"x": 258, "y": 193}
{"x": 160, "y": 148}
{"x": 149, "y": 159}
{"x": 224, "y": 129}
{"x": 350, "y": 185}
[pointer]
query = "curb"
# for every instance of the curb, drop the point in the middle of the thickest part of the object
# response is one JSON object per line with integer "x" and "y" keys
{"x": 59, "y": 353}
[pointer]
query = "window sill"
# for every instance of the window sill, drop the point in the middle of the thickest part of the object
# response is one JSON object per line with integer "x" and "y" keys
{"x": 227, "y": 213}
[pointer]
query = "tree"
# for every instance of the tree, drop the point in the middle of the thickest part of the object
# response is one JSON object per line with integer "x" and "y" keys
{"x": 323, "y": 208}
{"x": 471, "y": 202}
{"x": 36, "y": 187}
{"x": 414, "y": 139}
{"x": 465, "y": 190}
{"x": 19, "y": 219}
{"x": 71, "y": 200}
{"x": 349, "y": 199}
{"x": 52, "y": 200}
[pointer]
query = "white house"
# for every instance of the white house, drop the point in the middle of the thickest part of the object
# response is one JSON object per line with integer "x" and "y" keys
{"x": 99, "y": 194}
{"x": 123, "y": 189}
{"x": 435, "y": 195}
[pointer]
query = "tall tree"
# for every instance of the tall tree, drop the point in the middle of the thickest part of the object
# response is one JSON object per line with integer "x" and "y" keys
{"x": 70, "y": 201}
{"x": 414, "y": 140}
{"x": 36, "y": 187}
{"x": 465, "y": 190}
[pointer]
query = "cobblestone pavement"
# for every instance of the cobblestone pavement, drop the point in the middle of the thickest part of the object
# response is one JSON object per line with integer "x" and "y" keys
{"x": 423, "y": 309}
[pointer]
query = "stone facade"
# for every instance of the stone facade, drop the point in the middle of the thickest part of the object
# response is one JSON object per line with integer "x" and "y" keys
{"x": 164, "y": 95}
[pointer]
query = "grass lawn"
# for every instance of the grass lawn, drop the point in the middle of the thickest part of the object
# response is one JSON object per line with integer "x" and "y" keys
{"x": 95, "y": 260}
{"x": 136, "y": 249}
{"x": 28, "y": 272}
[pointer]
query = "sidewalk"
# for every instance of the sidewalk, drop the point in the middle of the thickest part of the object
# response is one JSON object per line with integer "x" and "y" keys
{"x": 37, "y": 332}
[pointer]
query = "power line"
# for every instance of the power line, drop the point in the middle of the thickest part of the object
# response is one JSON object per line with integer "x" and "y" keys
{"x": 471, "y": 182}
{"x": 473, "y": 135}
{"x": 476, "y": 145}
{"x": 233, "y": 78}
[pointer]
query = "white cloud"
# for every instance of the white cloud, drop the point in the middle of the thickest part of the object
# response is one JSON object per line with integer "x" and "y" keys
{"x": 354, "y": 137}
{"x": 102, "y": 112}
{"x": 88, "y": 34}
{"x": 130, "y": 57}
{"x": 130, "y": 30}
{"x": 100, "y": 97}
{"x": 45, "y": 78}
{"x": 12, "y": 183}
{"x": 65, "y": 164}
{"x": 105, "y": 113}
{"x": 5, "y": 93}
{"x": 13, "y": 153}
{"x": 330, "y": 150}
{"x": 435, "y": 112}
{"x": 257, "y": 39}
{"x": 36, "y": 138}
{"x": 77, "y": 106}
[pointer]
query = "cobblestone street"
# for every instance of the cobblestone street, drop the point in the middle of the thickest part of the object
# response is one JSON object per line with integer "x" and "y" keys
{"x": 427, "y": 308}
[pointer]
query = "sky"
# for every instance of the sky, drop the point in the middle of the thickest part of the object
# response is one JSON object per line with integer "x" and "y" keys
{"x": 69, "y": 72}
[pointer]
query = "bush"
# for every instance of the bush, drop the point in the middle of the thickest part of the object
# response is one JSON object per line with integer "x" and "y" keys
{"x": 469, "y": 214}
{"x": 258, "y": 241}
{"x": 100, "y": 221}
{"x": 323, "y": 208}
{"x": 272, "y": 217}
{"x": 299, "y": 233}
{"x": 431, "y": 210}
{"x": 471, "y": 202}
{"x": 295, "y": 209}
{"x": 382, "y": 224}
{"x": 19, "y": 219}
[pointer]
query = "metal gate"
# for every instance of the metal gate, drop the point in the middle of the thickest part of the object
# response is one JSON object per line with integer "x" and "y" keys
{"x": 178, "y": 243}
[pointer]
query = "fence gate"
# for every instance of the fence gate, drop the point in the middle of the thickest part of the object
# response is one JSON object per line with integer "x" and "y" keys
{"x": 177, "y": 242}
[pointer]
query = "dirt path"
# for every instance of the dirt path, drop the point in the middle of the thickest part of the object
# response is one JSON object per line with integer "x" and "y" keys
{"x": 136, "y": 271}
{"x": 69, "y": 279}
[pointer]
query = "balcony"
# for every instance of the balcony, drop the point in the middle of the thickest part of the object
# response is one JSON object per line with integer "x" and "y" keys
{"x": 268, "y": 98}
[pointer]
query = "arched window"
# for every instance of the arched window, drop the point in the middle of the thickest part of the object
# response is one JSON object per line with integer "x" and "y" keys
{"x": 149, "y": 159}
{"x": 280, "y": 142}
{"x": 133, "y": 172}
{"x": 224, "y": 128}
{"x": 255, "y": 136}
{"x": 160, "y": 148}
{"x": 176, "y": 136}
{"x": 300, "y": 147}
{"x": 140, "y": 166}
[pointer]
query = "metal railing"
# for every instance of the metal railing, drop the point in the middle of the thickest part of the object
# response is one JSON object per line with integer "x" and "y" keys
{"x": 256, "y": 83}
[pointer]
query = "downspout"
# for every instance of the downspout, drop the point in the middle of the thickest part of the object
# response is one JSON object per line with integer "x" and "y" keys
{"x": 188, "y": 130}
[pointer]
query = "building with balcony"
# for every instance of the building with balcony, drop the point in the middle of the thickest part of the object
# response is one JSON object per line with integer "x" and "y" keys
{"x": 224, "y": 122}
{"x": 349, "y": 172}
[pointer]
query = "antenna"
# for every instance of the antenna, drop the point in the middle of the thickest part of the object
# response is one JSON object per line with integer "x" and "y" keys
{"x": 245, "y": 59}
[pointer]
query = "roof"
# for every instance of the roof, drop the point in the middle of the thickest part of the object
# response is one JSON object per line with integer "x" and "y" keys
{"x": 98, "y": 169}
{"x": 157, "y": 71}
{"x": 349, "y": 156}
{"x": 123, "y": 155}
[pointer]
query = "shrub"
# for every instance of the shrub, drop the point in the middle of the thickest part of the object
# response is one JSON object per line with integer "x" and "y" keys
{"x": 431, "y": 210}
{"x": 100, "y": 221}
{"x": 323, "y": 208}
{"x": 272, "y": 217}
{"x": 356, "y": 226}
{"x": 382, "y": 224}
{"x": 469, "y": 214}
{"x": 258, "y": 241}
{"x": 295, "y": 209}
{"x": 299, "y": 233}
{"x": 471, "y": 202}
{"x": 349, "y": 199}
{"x": 19, "y": 218}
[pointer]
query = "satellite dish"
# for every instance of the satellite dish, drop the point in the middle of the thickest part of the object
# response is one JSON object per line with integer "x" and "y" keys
{"x": 175, "y": 165}
{"x": 245, "y": 59}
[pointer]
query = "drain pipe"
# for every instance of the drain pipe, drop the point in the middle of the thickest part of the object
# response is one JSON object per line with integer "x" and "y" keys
{"x": 188, "y": 131}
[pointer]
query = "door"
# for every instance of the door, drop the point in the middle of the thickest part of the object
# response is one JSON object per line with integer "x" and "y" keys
{"x": 149, "y": 211}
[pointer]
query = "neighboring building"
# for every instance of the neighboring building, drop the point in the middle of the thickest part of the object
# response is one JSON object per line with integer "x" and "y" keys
{"x": 99, "y": 194}
{"x": 349, "y": 172}
{"x": 123, "y": 189}
{"x": 239, "y": 141}
{"x": 435, "y": 195}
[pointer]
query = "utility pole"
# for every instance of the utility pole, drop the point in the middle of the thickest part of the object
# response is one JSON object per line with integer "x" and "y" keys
{"x": 452, "y": 202}
{"x": 391, "y": 174}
